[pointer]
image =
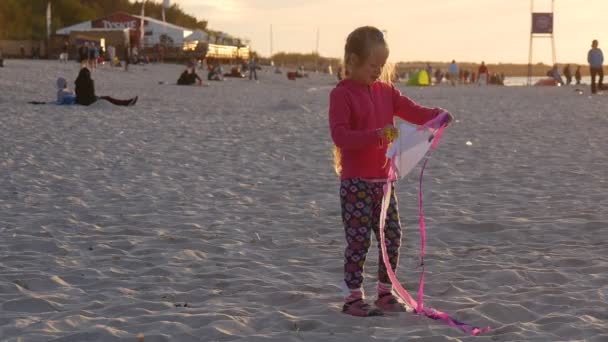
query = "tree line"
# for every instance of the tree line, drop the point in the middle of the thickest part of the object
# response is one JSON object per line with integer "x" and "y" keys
{"x": 26, "y": 19}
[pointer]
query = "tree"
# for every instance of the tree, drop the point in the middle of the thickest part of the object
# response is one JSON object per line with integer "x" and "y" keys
{"x": 26, "y": 19}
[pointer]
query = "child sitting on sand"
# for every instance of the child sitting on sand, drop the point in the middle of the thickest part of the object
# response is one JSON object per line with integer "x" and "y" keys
{"x": 64, "y": 95}
{"x": 361, "y": 114}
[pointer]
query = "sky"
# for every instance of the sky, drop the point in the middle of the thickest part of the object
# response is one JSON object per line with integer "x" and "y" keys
{"x": 495, "y": 31}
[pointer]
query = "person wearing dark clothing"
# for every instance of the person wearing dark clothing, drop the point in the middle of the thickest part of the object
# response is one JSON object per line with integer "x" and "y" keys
{"x": 1, "y": 59}
{"x": 577, "y": 75}
{"x": 595, "y": 57}
{"x": 127, "y": 57}
{"x": 438, "y": 76}
{"x": 85, "y": 91}
{"x": 568, "y": 74}
{"x": 83, "y": 54}
{"x": 253, "y": 66}
{"x": 189, "y": 77}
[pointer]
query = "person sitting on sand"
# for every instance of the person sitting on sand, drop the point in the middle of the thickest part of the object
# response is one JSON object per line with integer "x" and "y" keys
{"x": 85, "y": 91}
{"x": 64, "y": 95}
{"x": 215, "y": 73}
{"x": 189, "y": 77}
{"x": 235, "y": 71}
{"x": 300, "y": 72}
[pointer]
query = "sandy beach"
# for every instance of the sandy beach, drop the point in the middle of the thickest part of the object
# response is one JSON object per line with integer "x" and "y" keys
{"x": 212, "y": 213}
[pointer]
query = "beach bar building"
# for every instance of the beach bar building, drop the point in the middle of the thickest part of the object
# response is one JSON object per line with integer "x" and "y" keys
{"x": 122, "y": 30}
{"x": 155, "y": 31}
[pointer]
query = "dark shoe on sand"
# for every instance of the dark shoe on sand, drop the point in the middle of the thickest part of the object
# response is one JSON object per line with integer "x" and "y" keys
{"x": 360, "y": 308}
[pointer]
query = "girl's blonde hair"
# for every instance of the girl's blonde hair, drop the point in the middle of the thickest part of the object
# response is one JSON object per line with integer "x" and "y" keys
{"x": 360, "y": 42}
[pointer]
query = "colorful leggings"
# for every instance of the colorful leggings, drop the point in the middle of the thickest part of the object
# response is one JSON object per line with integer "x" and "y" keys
{"x": 361, "y": 205}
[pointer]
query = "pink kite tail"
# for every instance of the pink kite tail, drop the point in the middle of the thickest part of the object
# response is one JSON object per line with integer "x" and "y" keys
{"x": 437, "y": 124}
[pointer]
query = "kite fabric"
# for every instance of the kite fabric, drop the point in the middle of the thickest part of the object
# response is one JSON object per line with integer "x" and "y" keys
{"x": 404, "y": 154}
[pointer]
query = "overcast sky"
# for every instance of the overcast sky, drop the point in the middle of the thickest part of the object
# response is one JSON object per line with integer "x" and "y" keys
{"x": 436, "y": 30}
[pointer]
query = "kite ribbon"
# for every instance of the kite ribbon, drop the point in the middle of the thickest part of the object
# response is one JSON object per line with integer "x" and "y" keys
{"x": 435, "y": 126}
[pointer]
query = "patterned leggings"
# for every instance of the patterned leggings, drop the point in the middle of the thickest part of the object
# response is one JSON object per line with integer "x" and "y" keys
{"x": 361, "y": 205}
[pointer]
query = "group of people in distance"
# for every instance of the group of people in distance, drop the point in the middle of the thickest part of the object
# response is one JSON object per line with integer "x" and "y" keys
{"x": 89, "y": 54}
{"x": 215, "y": 72}
{"x": 455, "y": 75}
{"x": 595, "y": 58}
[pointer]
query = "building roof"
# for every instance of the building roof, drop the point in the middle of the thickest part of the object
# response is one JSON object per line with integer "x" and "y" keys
{"x": 163, "y": 23}
{"x": 198, "y": 35}
{"x": 86, "y": 25}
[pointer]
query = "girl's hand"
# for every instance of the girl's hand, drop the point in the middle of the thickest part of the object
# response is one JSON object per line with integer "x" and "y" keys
{"x": 439, "y": 110}
{"x": 389, "y": 133}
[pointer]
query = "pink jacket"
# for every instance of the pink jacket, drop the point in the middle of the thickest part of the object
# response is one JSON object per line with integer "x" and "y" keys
{"x": 356, "y": 112}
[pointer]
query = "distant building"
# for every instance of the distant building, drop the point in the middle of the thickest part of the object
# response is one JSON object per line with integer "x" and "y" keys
{"x": 122, "y": 29}
{"x": 155, "y": 31}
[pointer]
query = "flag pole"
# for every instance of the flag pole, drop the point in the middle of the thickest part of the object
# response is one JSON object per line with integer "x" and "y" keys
{"x": 48, "y": 28}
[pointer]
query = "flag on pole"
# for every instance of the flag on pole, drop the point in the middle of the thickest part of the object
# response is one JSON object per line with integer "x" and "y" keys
{"x": 141, "y": 25}
{"x": 48, "y": 19}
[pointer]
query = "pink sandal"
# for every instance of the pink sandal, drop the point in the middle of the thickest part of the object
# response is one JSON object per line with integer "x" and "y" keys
{"x": 360, "y": 308}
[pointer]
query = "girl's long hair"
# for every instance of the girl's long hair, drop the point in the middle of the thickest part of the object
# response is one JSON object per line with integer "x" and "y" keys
{"x": 360, "y": 42}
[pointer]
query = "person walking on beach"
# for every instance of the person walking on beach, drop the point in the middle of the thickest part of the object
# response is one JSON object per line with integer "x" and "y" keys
{"x": 567, "y": 74}
{"x": 96, "y": 54}
{"x": 484, "y": 76}
{"x": 361, "y": 113}
{"x": 453, "y": 71}
{"x": 91, "y": 56}
{"x": 127, "y": 57}
{"x": 577, "y": 75}
{"x": 85, "y": 91}
{"x": 83, "y": 53}
{"x": 63, "y": 57}
{"x": 253, "y": 66}
{"x": 595, "y": 57}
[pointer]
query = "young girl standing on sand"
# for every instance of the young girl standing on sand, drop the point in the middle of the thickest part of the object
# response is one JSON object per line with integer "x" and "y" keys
{"x": 361, "y": 114}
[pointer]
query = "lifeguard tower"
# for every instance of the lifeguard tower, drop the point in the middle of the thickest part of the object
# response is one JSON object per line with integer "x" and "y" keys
{"x": 542, "y": 27}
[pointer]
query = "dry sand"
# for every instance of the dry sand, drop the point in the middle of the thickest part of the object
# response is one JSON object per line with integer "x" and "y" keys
{"x": 224, "y": 198}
